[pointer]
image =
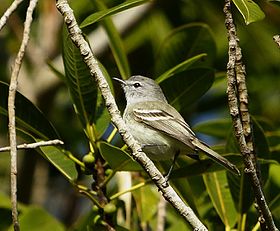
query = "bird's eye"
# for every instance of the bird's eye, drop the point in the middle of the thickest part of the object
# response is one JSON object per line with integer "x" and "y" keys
{"x": 136, "y": 85}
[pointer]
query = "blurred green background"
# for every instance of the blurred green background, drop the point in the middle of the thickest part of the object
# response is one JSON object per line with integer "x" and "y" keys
{"x": 146, "y": 31}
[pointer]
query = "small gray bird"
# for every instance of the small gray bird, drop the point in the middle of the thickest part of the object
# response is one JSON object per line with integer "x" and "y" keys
{"x": 159, "y": 127}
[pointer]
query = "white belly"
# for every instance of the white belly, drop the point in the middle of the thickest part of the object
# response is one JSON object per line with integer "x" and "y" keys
{"x": 156, "y": 145}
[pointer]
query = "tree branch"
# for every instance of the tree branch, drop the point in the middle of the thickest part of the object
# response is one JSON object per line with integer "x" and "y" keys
{"x": 238, "y": 105}
{"x": 8, "y": 12}
{"x": 166, "y": 190}
{"x": 33, "y": 145}
{"x": 276, "y": 39}
{"x": 11, "y": 110}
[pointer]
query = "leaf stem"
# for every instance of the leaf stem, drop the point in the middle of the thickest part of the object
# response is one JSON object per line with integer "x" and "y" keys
{"x": 137, "y": 186}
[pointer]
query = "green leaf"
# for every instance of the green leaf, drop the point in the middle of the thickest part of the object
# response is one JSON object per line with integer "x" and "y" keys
{"x": 115, "y": 43}
{"x": 250, "y": 11}
{"x": 218, "y": 128}
{"x": 146, "y": 205}
{"x": 28, "y": 117}
{"x": 35, "y": 218}
{"x": 117, "y": 158}
{"x": 95, "y": 17}
{"x": 59, "y": 74}
{"x": 180, "y": 67}
{"x": 217, "y": 186}
{"x": 187, "y": 87}
{"x": 58, "y": 159}
{"x": 183, "y": 43}
{"x": 81, "y": 84}
{"x": 33, "y": 126}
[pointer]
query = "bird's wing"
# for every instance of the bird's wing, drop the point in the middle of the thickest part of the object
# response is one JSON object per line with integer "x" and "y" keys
{"x": 172, "y": 124}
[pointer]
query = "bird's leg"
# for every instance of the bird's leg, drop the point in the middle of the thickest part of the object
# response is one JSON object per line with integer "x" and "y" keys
{"x": 172, "y": 166}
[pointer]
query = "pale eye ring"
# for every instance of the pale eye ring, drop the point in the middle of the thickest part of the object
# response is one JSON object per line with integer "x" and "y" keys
{"x": 136, "y": 85}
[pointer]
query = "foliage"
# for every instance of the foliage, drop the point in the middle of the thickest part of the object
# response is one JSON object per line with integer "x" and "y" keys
{"x": 182, "y": 45}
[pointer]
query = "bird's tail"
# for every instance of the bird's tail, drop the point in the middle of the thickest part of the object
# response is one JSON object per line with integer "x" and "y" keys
{"x": 215, "y": 156}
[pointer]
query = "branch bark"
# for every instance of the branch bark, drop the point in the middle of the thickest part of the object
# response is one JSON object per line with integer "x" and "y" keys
{"x": 238, "y": 106}
{"x": 11, "y": 110}
{"x": 8, "y": 12}
{"x": 34, "y": 145}
{"x": 167, "y": 191}
{"x": 276, "y": 39}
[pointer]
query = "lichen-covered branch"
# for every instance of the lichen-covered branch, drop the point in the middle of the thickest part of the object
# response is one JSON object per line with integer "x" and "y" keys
{"x": 8, "y": 12}
{"x": 34, "y": 145}
{"x": 166, "y": 190}
{"x": 238, "y": 105}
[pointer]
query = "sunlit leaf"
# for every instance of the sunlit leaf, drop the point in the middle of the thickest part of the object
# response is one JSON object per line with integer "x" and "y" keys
{"x": 217, "y": 186}
{"x": 56, "y": 156}
{"x": 95, "y": 17}
{"x": 250, "y": 11}
{"x": 146, "y": 205}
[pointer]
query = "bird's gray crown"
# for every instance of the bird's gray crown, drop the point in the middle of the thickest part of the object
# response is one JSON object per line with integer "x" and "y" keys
{"x": 140, "y": 89}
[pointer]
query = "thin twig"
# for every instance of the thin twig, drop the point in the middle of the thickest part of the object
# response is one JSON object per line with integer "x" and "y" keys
{"x": 238, "y": 105}
{"x": 34, "y": 145}
{"x": 166, "y": 190}
{"x": 8, "y": 12}
{"x": 11, "y": 110}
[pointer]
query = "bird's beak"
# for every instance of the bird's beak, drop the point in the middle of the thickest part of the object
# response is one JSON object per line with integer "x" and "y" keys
{"x": 122, "y": 82}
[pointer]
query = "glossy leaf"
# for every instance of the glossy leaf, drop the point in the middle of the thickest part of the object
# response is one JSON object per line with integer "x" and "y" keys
{"x": 217, "y": 186}
{"x": 58, "y": 159}
{"x": 180, "y": 67}
{"x": 187, "y": 87}
{"x": 28, "y": 117}
{"x": 117, "y": 159}
{"x": 250, "y": 10}
{"x": 95, "y": 17}
{"x": 35, "y": 218}
{"x": 116, "y": 43}
{"x": 81, "y": 84}
{"x": 183, "y": 43}
{"x": 218, "y": 128}
{"x": 33, "y": 126}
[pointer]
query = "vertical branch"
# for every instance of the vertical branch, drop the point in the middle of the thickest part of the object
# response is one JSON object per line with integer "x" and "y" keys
{"x": 167, "y": 191}
{"x": 11, "y": 110}
{"x": 238, "y": 105}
